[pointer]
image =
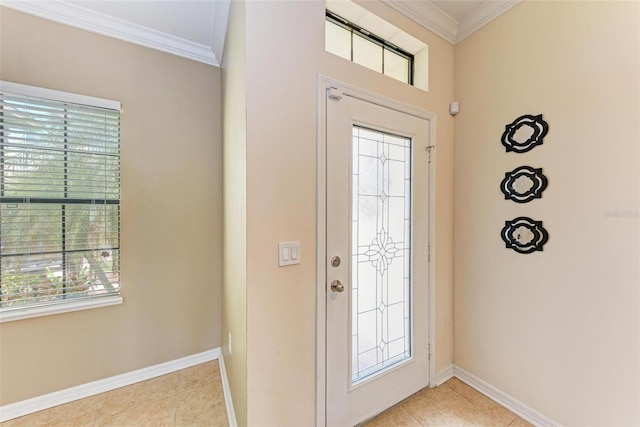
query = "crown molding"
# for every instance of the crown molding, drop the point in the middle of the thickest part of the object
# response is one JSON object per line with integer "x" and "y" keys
{"x": 96, "y": 22}
{"x": 442, "y": 24}
{"x": 485, "y": 13}
{"x": 429, "y": 16}
{"x": 219, "y": 31}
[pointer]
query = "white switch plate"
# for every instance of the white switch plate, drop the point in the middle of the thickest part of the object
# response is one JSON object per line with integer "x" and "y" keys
{"x": 288, "y": 253}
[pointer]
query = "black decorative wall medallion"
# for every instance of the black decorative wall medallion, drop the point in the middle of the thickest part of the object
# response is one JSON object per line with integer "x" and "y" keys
{"x": 524, "y": 235}
{"x": 523, "y": 184}
{"x": 524, "y": 133}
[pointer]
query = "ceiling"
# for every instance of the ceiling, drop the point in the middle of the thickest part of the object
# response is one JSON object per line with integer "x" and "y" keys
{"x": 196, "y": 29}
{"x": 453, "y": 20}
{"x": 458, "y": 9}
{"x": 193, "y": 29}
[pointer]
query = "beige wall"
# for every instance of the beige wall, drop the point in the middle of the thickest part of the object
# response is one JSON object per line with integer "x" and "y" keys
{"x": 171, "y": 210}
{"x": 558, "y": 329}
{"x": 234, "y": 290}
{"x": 284, "y": 56}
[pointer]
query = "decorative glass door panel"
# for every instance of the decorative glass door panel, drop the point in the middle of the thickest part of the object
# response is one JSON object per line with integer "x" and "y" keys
{"x": 381, "y": 257}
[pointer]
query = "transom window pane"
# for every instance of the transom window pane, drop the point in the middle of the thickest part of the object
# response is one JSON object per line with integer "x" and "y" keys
{"x": 381, "y": 242}
{"x": 359, "y": 45}
{"x": 367, "y": 53}
{"x": 395, "y": 66}
{"x": 338, "y": 40}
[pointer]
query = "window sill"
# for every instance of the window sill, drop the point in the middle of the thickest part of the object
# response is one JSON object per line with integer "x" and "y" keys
{"x": 47, "y": 310}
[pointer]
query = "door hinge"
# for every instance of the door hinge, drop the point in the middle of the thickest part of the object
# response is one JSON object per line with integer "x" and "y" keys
{"x": 429, "y": 253}
{"x": 334, "y": 93}
{"x": 429, "y": 351}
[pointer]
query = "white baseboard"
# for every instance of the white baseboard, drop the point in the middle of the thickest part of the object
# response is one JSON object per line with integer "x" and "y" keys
{"x": 231, "y": 413}
{"x": 25, "y": 407}
{"x": 509, "y": 402}
{"x": 444, "y": 375}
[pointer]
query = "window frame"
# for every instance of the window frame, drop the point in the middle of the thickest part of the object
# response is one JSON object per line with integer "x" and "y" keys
{"x": 373, "y": 38}
{"x": 12, "y": 313}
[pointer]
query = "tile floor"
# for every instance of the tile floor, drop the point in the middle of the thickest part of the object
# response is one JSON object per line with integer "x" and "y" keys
{"x": 190, "y": 397}
{"x": 452, "y": 404}
{"x": 193, "y": 397}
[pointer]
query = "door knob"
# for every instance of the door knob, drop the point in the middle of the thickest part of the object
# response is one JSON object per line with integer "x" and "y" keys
{"x": 336, "y": 286}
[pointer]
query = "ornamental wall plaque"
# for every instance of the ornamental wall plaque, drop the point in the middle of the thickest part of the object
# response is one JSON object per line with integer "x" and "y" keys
{"x": 524, "y": 133}
{"x": 524, "y": 235}
{"x": 523, "y": 184}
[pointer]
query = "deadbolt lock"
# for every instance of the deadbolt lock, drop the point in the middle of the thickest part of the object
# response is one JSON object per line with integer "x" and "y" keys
{"x": 335, "y": 261}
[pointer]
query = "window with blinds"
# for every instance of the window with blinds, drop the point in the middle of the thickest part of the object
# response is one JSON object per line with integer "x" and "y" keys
{"x": 59, "y": 197}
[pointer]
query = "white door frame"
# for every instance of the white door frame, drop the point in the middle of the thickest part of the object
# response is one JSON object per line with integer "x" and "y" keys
{"x": 325, "y": 83}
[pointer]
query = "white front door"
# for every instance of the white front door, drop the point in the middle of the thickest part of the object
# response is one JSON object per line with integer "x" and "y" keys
{"x": 377, "y": 349}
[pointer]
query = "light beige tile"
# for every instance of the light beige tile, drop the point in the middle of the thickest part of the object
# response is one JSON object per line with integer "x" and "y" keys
{"x": 196, "y": 401}
{"x": 519, "y": 422}
{"x": 219, "y": 416}
{"x": 500, "y": 414}
{"x": 74, "y": 414}
{"x": 40, "y": 418}
{"x": 208, "y": 392}
{"x": 80, "y": 413}
{"x": 159, "y": 413}
{"x": 452, "y": 382}
{"x": 191, "y": 397}
{"x": 121, "y": 399}
{"x": 396, "y": 416}
{"x": 199, "y": 420}
{"x": 163, "y": 387}
{"x": 201, "y": 388}
{"x": 199, "y": 410}
{"x": 189, "y": 384}
{"x": 204, "y": 371}
{"x": 444, "y": 407}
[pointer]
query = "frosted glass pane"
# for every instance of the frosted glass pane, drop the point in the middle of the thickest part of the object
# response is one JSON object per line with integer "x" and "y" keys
{"x": 367, "y": 224}
{"x": 396, "y": 152}
{"x": 337, "y": 40}
{"x": 367, "y": 53}
{"x": 396, "y": 66}
{"x": 354, "y": 351}
{"x": 367, "y": 359}
{"x": 367, "y": 147}
{"x": 381, "y": 240}
{"x": 367, "y": 331}
{"x": 367, "y": 288}
{"x": 396, "y": 348}
{"x": 396, "y": 178}
{"x": 395, "y": 294}
{"x": 368, "y": 174}
{"x": 396, "y": 210}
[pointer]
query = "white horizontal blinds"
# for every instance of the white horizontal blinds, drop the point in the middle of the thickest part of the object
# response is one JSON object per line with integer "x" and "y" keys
{"x": 59, "y": 200}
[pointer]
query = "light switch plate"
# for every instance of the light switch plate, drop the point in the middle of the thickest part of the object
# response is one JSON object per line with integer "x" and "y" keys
{"x": 288, "y": 253}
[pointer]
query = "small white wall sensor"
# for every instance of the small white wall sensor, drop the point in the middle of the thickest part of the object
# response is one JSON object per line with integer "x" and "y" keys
{"x": 454, "y": 108}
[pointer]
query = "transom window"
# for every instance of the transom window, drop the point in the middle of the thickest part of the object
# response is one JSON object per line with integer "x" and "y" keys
{"x": 59, "y": 198}
{"x": 345, "y": 39}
